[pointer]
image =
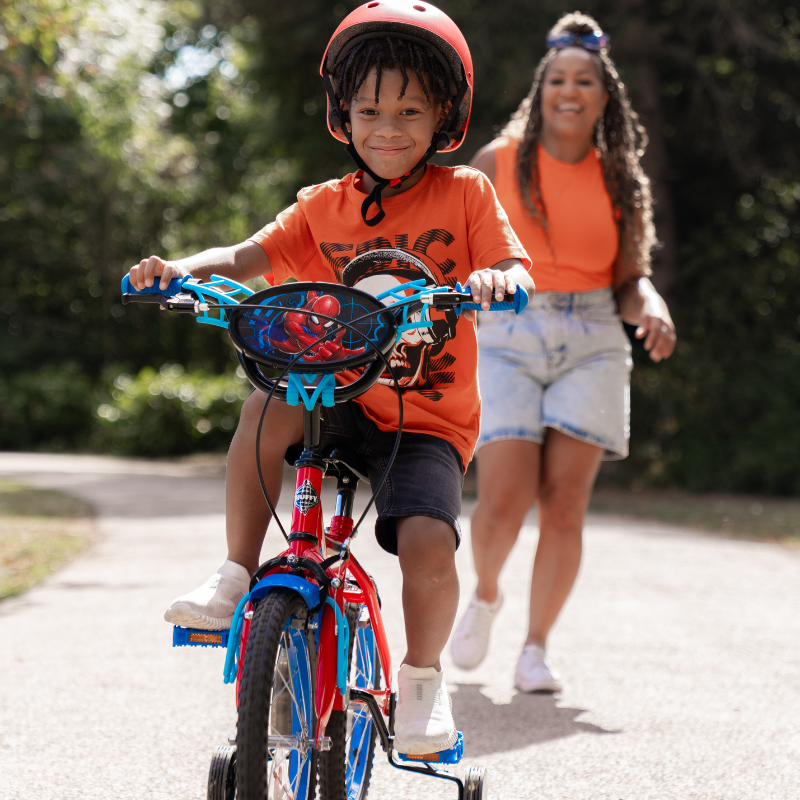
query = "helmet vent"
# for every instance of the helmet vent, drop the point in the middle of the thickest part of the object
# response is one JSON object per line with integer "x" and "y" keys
{"x": 420, "y": 8}
{"x": 373, "y": 5}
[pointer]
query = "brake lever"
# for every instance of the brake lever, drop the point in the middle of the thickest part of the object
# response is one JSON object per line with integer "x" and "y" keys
{"x": 183, "y": 302}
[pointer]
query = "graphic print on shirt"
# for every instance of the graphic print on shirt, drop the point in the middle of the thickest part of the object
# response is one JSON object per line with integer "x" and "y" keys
{"x": 419, "y": 358}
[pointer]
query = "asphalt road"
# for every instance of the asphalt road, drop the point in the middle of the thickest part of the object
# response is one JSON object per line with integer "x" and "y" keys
{"x": 680, "y": 654}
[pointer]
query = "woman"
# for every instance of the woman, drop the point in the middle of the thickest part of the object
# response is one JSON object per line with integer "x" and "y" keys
{"x": 555, "y": 381}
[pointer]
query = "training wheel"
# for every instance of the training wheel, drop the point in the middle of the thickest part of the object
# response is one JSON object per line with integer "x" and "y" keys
{"x": 222, "y": 775}
{"x": 474, "y": 785}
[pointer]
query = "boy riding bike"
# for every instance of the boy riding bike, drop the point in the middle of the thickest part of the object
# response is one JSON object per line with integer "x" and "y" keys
{"x": 399, "y": 84}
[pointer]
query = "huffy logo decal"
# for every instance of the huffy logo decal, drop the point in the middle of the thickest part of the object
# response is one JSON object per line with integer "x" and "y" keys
{"x": 306, "y": 497}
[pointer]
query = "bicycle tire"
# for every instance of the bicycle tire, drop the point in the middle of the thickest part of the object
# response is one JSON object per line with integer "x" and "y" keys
{"x": 276, "y": 698}
{"x": 344, "y": 772}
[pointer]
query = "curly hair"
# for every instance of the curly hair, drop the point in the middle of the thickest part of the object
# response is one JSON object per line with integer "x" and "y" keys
{"x": 350, "y": 70}
{"x": 620, "y": 138}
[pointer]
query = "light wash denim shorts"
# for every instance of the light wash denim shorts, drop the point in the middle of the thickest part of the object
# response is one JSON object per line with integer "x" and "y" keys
{"x": 563, "y": 363}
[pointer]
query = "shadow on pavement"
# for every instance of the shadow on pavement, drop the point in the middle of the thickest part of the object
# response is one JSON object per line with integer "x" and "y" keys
{"x": 527, "y": 719}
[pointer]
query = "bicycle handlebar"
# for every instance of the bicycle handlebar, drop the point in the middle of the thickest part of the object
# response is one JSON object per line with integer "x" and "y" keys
{"x": 213, "y": 302}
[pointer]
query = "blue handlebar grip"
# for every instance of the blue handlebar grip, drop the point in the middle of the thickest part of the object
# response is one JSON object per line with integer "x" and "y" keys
{"x": 517, "y": 305}
{"x": 175, "y": 287}
{"x": 520, "y": 299}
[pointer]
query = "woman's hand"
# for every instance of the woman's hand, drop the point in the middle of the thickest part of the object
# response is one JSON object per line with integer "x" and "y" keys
{"x": 149, "y": 269}
{"x": 641, "y": 305}
{"x": 658, "y": 332}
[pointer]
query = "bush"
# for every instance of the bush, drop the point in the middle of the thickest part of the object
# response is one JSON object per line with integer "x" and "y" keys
{"x": 46, "y": 409}
{"x": 170, "y": 412}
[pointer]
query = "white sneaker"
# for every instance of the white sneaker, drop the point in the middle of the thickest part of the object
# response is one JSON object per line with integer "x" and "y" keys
{"x": 423, "y": 721}
{"x": 471, "y": 640}
{"x": 211, "y": 606}
{"x": 533, "y": 675}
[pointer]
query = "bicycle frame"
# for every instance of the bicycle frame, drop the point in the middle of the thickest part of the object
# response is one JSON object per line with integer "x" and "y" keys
{"x": 307, "y": 540}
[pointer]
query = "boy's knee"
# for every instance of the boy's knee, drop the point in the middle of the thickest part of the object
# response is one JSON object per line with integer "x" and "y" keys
{"x": 425, "y": 543}
{"x": 281, "y": 421}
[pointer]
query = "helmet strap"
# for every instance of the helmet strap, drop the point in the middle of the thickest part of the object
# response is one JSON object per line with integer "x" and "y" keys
{"x": 440, "y": 141}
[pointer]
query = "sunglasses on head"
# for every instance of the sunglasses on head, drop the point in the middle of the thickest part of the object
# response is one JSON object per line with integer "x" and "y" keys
{"x": 596, "y": 40}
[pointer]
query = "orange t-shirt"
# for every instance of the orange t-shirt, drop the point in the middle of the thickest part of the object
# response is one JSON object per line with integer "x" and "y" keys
{"x": 581, "y": 220}
{"x": 452, "y": 221}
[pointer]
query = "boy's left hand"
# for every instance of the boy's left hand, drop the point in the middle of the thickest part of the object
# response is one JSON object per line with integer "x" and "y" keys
{"x": 485, "y": 282}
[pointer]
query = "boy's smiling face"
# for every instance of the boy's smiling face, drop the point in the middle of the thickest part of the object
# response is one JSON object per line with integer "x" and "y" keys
{"x": 394, "y": 134}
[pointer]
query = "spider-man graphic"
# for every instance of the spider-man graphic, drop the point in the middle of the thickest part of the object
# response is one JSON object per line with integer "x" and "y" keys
{"x": 296, "y": 330}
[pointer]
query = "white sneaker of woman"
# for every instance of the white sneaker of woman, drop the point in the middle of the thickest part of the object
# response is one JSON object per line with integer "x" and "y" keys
{"x": 533, "y": 675}
{"x": 471, "y": 639}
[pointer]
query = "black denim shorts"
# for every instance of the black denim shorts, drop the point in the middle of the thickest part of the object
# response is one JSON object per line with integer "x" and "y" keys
{"x": 426, "y": 478}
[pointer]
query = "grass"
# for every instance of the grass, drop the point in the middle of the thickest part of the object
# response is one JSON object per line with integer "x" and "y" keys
{"x": 763, "y": 518}
{"x": 40, "y": 531}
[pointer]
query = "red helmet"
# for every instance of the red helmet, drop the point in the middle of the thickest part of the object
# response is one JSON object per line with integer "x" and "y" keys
{"x": 419, "y": 22}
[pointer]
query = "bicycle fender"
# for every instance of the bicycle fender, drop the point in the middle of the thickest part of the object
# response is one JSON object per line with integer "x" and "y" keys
{"x": 306, "y": 589}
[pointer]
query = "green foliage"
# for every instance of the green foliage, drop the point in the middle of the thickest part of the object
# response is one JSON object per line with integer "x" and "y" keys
{"x": 167, "y": 127}
{"x": 171, "y": 411}
{"x": 46, "y": 409}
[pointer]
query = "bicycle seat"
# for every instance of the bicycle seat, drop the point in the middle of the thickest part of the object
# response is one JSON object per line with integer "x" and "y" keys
{"x": 334, "y": 455}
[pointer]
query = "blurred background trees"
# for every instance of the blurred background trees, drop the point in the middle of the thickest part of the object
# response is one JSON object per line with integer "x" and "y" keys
{"x": 148, "y": 126}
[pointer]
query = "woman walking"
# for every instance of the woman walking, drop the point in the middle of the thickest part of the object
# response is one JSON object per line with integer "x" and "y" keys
{"x": 555, "y": 381}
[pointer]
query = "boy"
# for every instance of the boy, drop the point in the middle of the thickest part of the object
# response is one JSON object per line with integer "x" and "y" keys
{"x": 399, "y": 80}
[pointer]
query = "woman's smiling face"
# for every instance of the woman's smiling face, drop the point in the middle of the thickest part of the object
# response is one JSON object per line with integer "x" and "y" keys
{"x": 393, "y": 134}
{"x": 573, "y": 95}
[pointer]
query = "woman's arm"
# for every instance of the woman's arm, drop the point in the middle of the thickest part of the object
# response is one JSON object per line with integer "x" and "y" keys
{"x": 640, "y": 304}
{"x": 240, "y": 262}
{"x": 484, "y": 160}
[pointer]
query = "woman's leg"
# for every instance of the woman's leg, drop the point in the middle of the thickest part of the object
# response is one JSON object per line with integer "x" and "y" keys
{"x": 508, "y": 480}
{"x": 246, "y": 512}
{"x": 569, "y": 469}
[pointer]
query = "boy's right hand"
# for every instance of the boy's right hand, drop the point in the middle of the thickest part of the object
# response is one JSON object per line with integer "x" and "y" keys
{"x": 148, "y": 269}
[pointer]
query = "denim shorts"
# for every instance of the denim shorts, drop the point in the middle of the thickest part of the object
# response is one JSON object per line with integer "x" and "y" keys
{"x": 426, "y": 478}
{"x": 563, "y": 363}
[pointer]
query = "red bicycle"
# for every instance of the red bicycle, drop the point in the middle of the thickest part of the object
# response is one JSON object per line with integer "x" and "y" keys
{"x": 307, "y": 647}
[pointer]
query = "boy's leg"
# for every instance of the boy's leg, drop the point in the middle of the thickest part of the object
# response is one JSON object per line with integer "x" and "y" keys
{"x": 426, "y": 548}
{"x": 211, "y": 606}
{"x": 247, "y": 514}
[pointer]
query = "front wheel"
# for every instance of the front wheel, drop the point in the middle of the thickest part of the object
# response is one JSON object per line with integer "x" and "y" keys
{"x": 345, "y": 769}
{"x": 275, "y": 756}
{"x": 475, "y": 785}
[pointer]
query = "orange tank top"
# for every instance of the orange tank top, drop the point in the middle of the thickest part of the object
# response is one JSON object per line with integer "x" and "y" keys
{"x": 581, "y": 221}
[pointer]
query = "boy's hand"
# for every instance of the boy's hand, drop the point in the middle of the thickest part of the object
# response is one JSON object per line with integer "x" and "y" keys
{"x": 483, "y": 282}
{"x": 149, "y": 269}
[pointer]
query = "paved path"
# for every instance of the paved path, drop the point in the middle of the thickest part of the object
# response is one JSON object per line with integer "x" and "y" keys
{"x": 680, "y": 655}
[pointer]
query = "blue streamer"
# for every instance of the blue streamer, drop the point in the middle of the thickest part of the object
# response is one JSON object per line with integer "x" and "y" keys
{"x": 232, "y": 655}
{"x": 344, "y": 646}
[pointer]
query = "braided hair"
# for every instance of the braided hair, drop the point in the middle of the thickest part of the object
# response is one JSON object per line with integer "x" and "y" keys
{"x": 350, "y": 69}
{"x": 620, "y": 138}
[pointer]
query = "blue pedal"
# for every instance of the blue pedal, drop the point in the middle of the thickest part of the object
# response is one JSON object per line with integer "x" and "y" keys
{"x": 451, "y": 756}
{"x": 192, "y": 637}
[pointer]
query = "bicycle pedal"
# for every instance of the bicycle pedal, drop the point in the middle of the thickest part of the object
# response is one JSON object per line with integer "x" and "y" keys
{"x": 452, "y": 755}
{"x": 194, "y": 637}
